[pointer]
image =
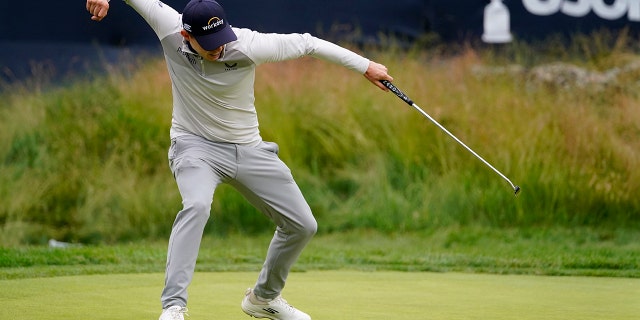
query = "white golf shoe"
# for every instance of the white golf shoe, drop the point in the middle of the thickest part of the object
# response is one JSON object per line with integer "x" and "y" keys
{"x": 173, "y": 313}
{"x": 275, "y": 309}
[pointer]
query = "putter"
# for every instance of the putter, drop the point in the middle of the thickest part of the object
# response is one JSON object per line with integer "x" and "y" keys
{"x": 406, "y": 99}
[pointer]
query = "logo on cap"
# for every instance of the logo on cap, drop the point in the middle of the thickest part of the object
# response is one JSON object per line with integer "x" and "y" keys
{"x": 212, "y": 23}
{"x": 206, "y": 21}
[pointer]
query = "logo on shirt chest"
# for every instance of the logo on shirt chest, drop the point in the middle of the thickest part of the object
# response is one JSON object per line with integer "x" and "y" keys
{"x": 230, "y": 66}
{"x": 208, "y": 67}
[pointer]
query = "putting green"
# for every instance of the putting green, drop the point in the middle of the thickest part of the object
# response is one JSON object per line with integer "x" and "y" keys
{"x": 331, "y": 295}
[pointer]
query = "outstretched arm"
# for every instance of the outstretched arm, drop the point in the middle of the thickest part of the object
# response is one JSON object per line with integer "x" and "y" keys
{"x": 376, "y": 72}
{"x": 98, "y": 9}
{"x": 279, "y": 47}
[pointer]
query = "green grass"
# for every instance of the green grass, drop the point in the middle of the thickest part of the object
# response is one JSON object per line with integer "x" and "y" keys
{"x": 87, "y": 162}
{"x": 580, "y": 252}
{"x": 335, "y": 295}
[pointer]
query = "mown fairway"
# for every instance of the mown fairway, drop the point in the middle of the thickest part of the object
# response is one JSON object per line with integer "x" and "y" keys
{"x": 332, "y": 295}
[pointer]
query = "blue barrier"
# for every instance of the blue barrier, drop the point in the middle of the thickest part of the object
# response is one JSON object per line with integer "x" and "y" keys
{"x": 26, "y": 25}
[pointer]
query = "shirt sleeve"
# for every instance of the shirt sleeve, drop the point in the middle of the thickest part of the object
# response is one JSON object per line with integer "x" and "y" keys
{"x": 163, "y": 19}
{"x": 273, "y": 47}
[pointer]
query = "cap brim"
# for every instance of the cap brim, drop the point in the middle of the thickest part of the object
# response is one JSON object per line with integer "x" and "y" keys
{"x": 215, "y": 40}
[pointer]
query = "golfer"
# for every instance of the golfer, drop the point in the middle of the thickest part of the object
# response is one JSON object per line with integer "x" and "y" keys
{"x": 215, "y": 139}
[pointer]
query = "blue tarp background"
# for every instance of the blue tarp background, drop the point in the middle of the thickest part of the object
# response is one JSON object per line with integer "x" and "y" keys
{"x": 60, "y": 36}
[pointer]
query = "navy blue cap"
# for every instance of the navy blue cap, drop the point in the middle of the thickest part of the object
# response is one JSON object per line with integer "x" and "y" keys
{"x": 207, "y": 22}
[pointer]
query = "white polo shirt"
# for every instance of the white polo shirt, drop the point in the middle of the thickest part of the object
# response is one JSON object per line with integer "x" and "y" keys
{"x": 215, "y": 99}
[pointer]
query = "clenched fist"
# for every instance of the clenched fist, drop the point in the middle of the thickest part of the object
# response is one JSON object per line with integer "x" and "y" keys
{"x": 98, "y": 9}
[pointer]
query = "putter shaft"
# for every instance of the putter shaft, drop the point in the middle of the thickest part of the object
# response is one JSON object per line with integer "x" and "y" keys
{"x": 406, "y": 99}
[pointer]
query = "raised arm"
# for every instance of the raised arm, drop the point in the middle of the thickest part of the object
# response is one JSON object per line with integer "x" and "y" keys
{"x": 98, "y": 9}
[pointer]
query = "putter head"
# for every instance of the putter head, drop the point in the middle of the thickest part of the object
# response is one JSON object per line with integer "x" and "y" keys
{"x": 516, "y": 189}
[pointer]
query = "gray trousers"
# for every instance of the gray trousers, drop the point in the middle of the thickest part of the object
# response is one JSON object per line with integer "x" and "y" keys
{"x": 199, "y": 166}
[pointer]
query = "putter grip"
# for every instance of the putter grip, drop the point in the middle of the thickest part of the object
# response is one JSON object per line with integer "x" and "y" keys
{"x": 397, "y": 91}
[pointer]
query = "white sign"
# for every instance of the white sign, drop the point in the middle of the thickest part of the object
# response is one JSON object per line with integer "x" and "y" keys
{"x": 496, "y": 23}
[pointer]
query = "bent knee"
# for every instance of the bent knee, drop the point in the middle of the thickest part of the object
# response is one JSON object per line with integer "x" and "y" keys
{"x": 309, "y": 228}
{"x": 198, "y": 208}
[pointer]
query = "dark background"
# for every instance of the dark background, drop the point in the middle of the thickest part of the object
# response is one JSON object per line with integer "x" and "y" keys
{"x": 57, "y": 37}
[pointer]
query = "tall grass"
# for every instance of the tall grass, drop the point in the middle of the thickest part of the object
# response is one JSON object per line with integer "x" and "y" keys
{"x": 87, "y": 162}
